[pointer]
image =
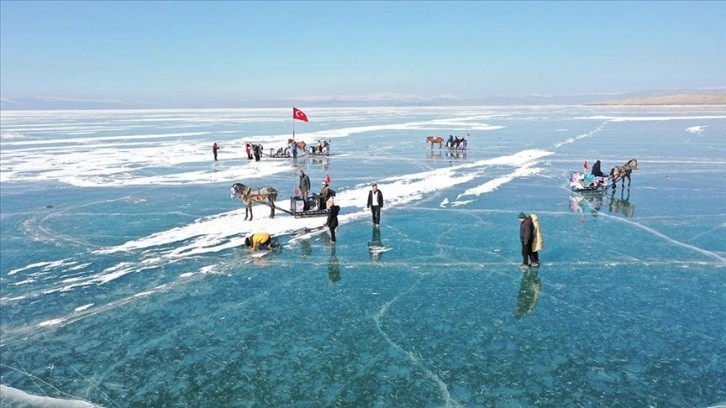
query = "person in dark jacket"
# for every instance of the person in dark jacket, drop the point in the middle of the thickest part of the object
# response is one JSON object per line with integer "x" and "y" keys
{"x": 215, "y": 147}
{"x": 526, "y": 236}
{"x": 257, "y": 149}
{"x": 375, "y": 203}
{"x": 304, "y": 185}
{"x": 596, "y": 170}
{"x": 332, "y": 222}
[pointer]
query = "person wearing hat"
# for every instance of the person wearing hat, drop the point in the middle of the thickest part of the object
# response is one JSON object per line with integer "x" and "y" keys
{"x": 526, "y": 237}
{"x": 596, "y": 170}
{"x": 375, "y": 203}
{"x": 324, "y": 194}
{"x": 304, "y": 185}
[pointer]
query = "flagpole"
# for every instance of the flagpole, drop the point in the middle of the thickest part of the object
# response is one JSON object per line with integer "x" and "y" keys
{"x": 293, "y": 127}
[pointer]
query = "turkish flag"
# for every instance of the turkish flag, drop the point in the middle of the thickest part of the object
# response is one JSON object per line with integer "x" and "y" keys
{"x": 299, "y": 115}
{"x": 585, "y": 165}
{"x": 327, "y": 178}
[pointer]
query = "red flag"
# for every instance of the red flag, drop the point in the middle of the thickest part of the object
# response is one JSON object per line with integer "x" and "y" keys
{"x": 327, "y": 178}
{"x": 299, "y": 115}
{"x": 585, "y": 165}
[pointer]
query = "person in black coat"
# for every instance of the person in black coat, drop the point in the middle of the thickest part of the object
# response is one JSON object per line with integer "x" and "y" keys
{"x": 332, "y": 222}
{"x": 596, "y": 170}
{"x": 257, "y": 151}
{"x": 526, "y": 236}
{"x": 215, "y": 147}
{"x": 375, "y": 203}
{"x": 304, "y": 185}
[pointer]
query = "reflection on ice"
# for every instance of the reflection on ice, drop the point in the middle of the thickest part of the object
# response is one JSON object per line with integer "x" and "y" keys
{"x": 375, "y": 245}
{"x": 592, "y": 202}
{"x": 622, "y": 204}
{"x": 530, "y": 288}
{"x": 587, "y": 202}
{"x": 333, "y": 267}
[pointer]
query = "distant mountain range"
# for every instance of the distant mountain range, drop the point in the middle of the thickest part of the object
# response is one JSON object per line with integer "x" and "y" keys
{"x": 681, "y": 99}
{"x": 715, "y": 96}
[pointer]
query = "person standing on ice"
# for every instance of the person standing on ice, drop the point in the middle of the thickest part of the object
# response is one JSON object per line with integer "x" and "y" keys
{"x": 526, "y": 236}
{"x": 375, "y": 203}
{"x": 332, "y": 221}
{"x": 304, "y": 185}
{"x": 257, "y": 150}
{"x": 215, "y": 147}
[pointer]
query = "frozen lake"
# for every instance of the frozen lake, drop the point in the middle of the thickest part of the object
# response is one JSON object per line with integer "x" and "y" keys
{"x": 124, "y": 282}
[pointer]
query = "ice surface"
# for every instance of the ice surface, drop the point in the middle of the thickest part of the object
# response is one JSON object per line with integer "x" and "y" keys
{"x": 124, "y": 282}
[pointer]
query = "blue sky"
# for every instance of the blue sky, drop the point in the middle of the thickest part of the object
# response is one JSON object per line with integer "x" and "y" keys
{"x": 193, "y": 51}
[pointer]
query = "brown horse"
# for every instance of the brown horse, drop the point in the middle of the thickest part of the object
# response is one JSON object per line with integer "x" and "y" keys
{"x": 300, "y": 145}
{"x": 251, "y": 195}
{"x": 435, "y": 140}
{"x": 623, "y": 172}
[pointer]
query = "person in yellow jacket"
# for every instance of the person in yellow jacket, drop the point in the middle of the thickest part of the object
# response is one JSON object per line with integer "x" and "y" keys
{"x": 537, "y": 242}
{"x": 260, "y": 240}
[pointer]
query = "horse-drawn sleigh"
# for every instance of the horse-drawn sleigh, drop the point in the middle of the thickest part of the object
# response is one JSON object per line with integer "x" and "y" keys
{"x": 268, "y": 196}
{"x": 579, "y": 181}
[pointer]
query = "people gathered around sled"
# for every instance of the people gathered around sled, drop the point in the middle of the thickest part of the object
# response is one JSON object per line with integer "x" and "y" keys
{"x": 456, "y": 142}
{"x": 322, "y": 147}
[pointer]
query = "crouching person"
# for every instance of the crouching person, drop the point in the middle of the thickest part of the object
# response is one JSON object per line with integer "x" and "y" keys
{"x": 262, "y": 241}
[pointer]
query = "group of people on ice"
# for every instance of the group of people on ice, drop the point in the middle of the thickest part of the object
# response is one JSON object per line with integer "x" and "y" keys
{"x": 291, "y": 150}
{"x": 254, "y": 151}
{"x": 322, "y": 147}
{"x": 456, "y": 142}
{"x": 595, "y": 179}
